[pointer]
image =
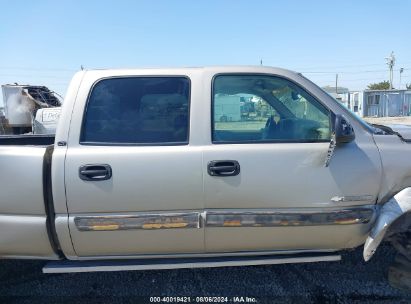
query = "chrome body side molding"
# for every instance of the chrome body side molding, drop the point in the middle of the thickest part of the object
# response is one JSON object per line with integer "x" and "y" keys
{"x": 226, "y": 218}
{"x": 141, "y": 221}
{"x": 276, "y": 218}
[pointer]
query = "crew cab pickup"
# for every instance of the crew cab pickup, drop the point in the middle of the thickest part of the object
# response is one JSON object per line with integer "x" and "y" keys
{"x": 200, "y": 167}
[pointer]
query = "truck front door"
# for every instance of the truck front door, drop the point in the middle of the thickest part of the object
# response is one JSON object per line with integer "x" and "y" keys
{"x": 266, "y": 184}
{"x": 133, "y": 182}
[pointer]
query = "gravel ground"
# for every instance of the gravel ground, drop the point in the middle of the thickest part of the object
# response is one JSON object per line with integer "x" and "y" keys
{"x": 348, "y": 281}
{"x": 406, "y": 120}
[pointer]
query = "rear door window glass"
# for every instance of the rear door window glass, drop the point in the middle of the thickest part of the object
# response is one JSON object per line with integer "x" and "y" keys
{"x": 138, "y": 110}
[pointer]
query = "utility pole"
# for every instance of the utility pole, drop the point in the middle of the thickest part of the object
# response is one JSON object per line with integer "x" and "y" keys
{"x": 401, "y": 70}
{"x": 391, "y": 63}
{"x": 336, "y": 84}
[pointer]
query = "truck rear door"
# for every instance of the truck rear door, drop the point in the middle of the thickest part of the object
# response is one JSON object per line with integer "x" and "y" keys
{"x": 133, "y": 181}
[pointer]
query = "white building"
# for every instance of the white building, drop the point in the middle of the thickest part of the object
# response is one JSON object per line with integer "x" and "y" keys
{"x": 355, "y": 102}
{"x": 378, "y": 103}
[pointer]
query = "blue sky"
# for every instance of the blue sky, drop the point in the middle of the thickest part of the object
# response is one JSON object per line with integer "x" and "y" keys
{"x": 45, "y": 42}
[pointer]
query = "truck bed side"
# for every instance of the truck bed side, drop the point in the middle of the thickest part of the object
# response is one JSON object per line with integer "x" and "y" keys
{"x": 23, "y": 218}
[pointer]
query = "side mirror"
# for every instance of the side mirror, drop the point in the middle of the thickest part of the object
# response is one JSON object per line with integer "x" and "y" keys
{"x": 344, "y": 132}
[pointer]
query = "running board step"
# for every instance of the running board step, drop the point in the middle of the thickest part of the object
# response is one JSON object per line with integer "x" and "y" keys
{"x": 68, "y": 266}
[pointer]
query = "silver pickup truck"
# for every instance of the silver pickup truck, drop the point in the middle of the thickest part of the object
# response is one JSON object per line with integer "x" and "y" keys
{"x": 200, "y": 167}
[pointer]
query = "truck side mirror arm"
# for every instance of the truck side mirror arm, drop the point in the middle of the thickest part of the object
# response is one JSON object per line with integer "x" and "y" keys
{"x": 342, "y": 133}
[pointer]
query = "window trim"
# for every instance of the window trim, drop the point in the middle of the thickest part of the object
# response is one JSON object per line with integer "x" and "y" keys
{"x": 271, "y": 141}
{"x": 93, "y": 143}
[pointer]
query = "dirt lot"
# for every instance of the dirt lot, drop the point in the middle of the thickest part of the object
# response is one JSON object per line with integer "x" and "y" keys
{"x": 389, "y": 120}
{"x": 348, "y": 281}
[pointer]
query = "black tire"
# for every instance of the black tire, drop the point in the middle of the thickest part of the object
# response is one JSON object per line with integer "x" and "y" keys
{"x": 399, "y": 235}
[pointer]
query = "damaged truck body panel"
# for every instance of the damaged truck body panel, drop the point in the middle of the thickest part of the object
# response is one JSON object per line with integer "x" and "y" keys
{"x": 394, "y": 144}
{"x": 390, "y": 212}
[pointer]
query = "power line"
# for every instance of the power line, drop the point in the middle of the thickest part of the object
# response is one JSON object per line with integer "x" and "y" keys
{"x": 37, "y": 69}
{"x": 346, "y": 66}
{"x": 350, "y": 72}
{"x": 35, "y": 76}
{"x": 369, "y": 78}
{"x": 365, "y": 79}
